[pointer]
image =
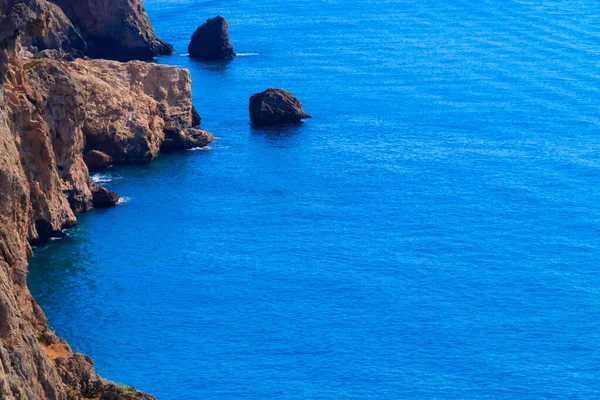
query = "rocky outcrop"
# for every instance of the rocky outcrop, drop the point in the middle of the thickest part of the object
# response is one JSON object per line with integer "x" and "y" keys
{"x": 34, "y": 363}
{"x": 102, "y": 197}
{"x": 111, "y": 29}
{"x": 51, "y": 113}
{"x": 211, "y": 41}
{"x": 275, "y": 106}
{"x": 115, "y": 29}
{"x": 42, "y": 180}
{"x": 52, "y": 30}
{"x": 97, "y": 160}
{"x": 136, "y": 109}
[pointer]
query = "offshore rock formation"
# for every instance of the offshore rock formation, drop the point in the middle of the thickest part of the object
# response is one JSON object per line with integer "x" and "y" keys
{"x": 275, "y": 106}
{"x": 52, "y": 113}
{"x": 211, "y": 41}
{"x": 97, "y": 160}
{"x": 102, "y": 197}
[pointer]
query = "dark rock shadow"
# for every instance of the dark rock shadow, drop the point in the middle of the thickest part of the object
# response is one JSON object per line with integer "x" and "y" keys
{"x": 280, "y": 133}
{"x": 219, "y": 66}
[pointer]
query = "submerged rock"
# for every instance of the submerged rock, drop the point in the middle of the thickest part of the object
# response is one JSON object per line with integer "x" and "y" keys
{"x": 211, "y": 41}
{"x": 97, "y": 160}
{"x": 275, "y": 106}
{"x": 102, "y": 197}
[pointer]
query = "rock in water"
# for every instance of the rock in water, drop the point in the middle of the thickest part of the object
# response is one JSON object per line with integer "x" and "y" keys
{"x": 178, "y": 139}
{"x": 97, "y": 160}
{"x": 102, "y": 197}
{"x": 211, "y": 41}
{"x": 275, "y": 106}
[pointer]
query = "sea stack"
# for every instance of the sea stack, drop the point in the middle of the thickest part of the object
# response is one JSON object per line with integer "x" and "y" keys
{"x": 276, "y": 106}
{"x": 211, "y": 42}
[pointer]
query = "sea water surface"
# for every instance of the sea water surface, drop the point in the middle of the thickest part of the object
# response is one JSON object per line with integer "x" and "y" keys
{"x": 433, "y": 231}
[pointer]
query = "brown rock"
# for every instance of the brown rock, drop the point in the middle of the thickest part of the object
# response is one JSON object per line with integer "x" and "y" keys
{"x": 129, "y": 107}
{"x": 48, "y": 53}
{"x": 177, "y": 139}
{"x": 46, "y": 27}
{"x": 47, "y": 108}
{"x": 102, "y": 197}
{"x": 112, "y": 29}
{"x": 97, "y": 160}
{"x": 211, "y": 41}
{"x": 115, "y": 29}
{"x": 275, "y": 106}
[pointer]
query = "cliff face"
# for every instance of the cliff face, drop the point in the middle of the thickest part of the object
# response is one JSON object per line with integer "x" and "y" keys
{"x": 52, "y": 114}
{"x": 31, "y": 204}
{"x": 49, "y": 27}
{"x": 111, "y": 29}
{"x": 118, "y": 30}
{"x": 134, "y": 110}
{"x": 61, "y": 110}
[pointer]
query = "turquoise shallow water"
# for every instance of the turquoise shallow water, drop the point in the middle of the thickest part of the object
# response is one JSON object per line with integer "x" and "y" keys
{"x": 433, "y": 231}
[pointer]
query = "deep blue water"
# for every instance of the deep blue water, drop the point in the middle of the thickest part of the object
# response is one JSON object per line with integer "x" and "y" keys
{"x": 433, "y": 231}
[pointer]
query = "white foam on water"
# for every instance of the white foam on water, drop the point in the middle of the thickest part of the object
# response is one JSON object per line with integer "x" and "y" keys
{"x": 246, "y": 54}
{"x": 205, "y": 148}
{"x": 124, "y": 200}
{"x": 101, "y": 178}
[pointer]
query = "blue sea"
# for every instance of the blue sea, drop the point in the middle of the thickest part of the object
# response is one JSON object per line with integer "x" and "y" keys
{"x": 433, "y": 232}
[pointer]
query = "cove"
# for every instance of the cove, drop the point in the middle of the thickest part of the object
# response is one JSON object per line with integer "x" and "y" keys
{"x": 432, "y": 231}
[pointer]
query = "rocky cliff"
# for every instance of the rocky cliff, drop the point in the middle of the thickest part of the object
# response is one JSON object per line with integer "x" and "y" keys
{"x": 118, "y": 30}
{"x": 110, "y": 29}
{"x": 54, "y": 113}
